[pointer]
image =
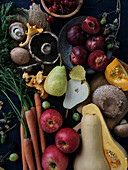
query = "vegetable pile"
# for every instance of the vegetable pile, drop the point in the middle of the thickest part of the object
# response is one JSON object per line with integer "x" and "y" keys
{"x": 38, "y": 117}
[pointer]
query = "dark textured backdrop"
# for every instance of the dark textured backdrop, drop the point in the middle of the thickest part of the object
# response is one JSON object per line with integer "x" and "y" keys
{"x": 90, "y": 7}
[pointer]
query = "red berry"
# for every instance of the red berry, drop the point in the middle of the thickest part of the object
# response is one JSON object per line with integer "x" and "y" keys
{"x": 51, "y": 18}
{"x": 74, "y": 3}
{"x": 57, "y": 1}
{"x": 66, "y": 2}
{"x": 48, "y": 20}
{"x": 50, "y": 9}
{"x": 70, "y": 4}
{"x": 54, "y": 7}
{"x": 62, "y": 2}
{"x": 33, "y": 1}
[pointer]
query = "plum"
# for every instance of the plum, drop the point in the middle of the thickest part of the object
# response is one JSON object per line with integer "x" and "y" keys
{"x": 98, "y": 60}
{"x": 79, "y": 55}
{"x": 91, "y": 25}
{"x": 76, "y": 36}
{"x": 95, "y": 43}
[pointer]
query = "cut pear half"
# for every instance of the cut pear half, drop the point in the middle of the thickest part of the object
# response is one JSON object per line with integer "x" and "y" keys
{"x": 77, "y": 92}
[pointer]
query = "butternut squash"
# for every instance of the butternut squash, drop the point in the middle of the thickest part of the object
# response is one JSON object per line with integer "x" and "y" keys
{"x": 116, "y": 158}
{"x": 91, "y": 156}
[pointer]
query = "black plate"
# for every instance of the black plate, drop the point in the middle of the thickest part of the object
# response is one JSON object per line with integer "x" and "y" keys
{"x": 63, "y": 45}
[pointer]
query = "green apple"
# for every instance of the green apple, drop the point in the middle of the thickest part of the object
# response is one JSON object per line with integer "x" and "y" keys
{"x": 77, "y": 92}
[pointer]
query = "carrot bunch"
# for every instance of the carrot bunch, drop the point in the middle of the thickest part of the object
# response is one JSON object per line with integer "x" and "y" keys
{"x": 30, "y": 145}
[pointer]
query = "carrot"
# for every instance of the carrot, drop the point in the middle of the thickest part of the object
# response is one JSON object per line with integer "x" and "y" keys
{"x": 33, "y": 109}
{"x": 31, "y": 121}
{"x": 27, "y": 145}
{"x": 24, "y": 162}
{"x": 38, "y": 112}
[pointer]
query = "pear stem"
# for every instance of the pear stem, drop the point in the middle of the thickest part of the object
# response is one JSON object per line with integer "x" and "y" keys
{"x": 60, "y": 59}
{"x": 66, "y": 115}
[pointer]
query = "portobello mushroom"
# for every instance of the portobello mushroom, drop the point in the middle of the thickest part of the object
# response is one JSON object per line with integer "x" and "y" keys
{"x": 43, "y": 48}
{"x": 111, "y": 100}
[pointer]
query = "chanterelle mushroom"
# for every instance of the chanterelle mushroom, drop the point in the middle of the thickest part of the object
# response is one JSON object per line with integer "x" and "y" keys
{"x": 17, "y": 31}
{"x": 32, "y": 30}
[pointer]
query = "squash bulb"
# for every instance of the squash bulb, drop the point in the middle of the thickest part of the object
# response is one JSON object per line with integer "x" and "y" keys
{"x": 91, "y": 156}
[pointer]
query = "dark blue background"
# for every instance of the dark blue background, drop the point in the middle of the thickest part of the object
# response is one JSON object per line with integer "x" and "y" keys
{"x": 92, "y": 8}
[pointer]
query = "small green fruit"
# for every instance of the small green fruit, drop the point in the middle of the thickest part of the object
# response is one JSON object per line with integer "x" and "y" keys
{"x": 45, "y": 105}
{"x": 13, "y": 157}
{"x": 109, "y": 46}
{"x": 76, "y": 116}
{"x": 3, "y": 138}
{"x": 103, "y": 21}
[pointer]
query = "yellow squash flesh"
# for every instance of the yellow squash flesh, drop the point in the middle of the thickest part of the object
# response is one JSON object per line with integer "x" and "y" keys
{"x": 116, "y": 158}
{"x": 116, "y": 74}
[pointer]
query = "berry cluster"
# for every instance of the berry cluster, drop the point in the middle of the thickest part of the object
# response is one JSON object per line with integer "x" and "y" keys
{"x": 61, "y": 7}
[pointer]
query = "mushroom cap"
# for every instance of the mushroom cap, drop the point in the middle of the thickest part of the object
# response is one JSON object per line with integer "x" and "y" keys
{"x": 37, "y": 42}
{"x": 17, "y": 31}
{"x": 110, "y": 99}
{"x": 20, "y": 55}
{"x": 121, "y": 130}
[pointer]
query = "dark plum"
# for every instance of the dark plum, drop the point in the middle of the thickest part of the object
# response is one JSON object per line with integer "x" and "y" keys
{"x": 91, "y": 25}
{"x": 95, "y": 43}
{"x": 76, "y": 36}
{"x": 98, "y": 60}
{"x": 79, "y": 55}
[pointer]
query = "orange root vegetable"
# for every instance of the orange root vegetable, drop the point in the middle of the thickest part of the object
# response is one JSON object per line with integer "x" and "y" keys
{"x": 33, "y": 109}
{"x": 31, "y": 121}
{"x": 28, "y": 153}
{"x": 38, "y": 112}
{"x": 24, "y": 162}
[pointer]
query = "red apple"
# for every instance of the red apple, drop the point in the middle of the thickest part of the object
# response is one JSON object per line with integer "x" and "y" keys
{"x": 91, "y": 25}
{"x": 98, "y": 60}
{"x": 54, "y": 159}
{"x": 95, "y": 43}
{"x": 79, "y": 55}
{"x": 76, "y": 36}
{"x": 51, "y": 120}
{"x": 67, "y": 140}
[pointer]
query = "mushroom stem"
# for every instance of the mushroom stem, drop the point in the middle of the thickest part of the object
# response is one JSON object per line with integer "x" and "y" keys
{"x": 46, "y": 48}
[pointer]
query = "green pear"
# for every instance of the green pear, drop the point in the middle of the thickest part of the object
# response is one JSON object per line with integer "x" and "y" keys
{"x": 56, "y": 82}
